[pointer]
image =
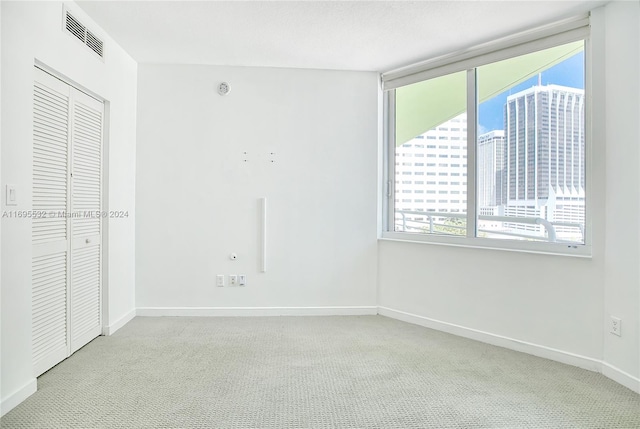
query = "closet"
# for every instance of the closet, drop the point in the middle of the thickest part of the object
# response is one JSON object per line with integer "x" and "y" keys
{"x": 67, "y": 220}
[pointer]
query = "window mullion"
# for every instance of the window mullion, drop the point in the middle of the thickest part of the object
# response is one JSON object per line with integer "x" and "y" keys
{"x": 390, "y": 144}
{"x": 472, "y": 138}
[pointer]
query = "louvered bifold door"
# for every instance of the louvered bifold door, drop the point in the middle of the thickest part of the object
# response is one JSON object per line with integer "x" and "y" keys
{"x": 50, "y": 225}
{"x": 86, "y": 224}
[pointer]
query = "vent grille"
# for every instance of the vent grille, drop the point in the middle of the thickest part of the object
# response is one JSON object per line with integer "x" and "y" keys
{"x": 74, "y": 27}
{"x": 80, "y": 32}
{"x": 94, "y": 43}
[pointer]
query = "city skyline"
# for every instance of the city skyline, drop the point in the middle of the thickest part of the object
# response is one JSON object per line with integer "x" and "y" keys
{"x": 533, "y": 168}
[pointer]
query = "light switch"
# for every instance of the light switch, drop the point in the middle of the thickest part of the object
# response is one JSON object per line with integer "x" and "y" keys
{"x": 11, "y": 195}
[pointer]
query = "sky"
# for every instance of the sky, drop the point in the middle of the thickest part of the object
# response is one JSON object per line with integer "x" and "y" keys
{"x": 570, "y": 73}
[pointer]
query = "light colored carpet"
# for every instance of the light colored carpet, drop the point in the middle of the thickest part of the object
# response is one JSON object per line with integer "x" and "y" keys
{"x": 313, "y": 372}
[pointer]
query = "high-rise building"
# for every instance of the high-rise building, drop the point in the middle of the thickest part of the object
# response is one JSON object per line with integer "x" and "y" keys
{"x": 545, "y": 159}
{"x": 491, "y": 171}
{"x": 431, "y": 171}
{"x": 545, "y": 142}
{"x": 534, "y": 168}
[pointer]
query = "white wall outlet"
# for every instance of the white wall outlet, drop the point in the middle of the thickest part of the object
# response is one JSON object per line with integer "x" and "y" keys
{"x": 220, "y": 280}
{"x": 616, "y": 326}
{"x": 242, "y": 280}
{"x": 233, "y": 280}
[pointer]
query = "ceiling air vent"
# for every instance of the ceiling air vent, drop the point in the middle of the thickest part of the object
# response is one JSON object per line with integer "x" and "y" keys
{"x": 80, "y": 32}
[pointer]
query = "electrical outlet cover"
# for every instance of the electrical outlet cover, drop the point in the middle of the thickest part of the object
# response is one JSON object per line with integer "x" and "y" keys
{"x": 616, "y": 326}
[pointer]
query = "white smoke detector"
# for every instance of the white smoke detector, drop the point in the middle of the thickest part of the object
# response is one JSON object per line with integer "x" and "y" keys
{"x": 224, "y": 88}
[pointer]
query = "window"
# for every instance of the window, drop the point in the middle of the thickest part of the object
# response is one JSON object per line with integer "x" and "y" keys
{"x": 524, "y": 107}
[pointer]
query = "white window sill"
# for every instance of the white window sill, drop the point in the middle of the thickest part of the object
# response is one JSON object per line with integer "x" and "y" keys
{"x": 555, "y": 249}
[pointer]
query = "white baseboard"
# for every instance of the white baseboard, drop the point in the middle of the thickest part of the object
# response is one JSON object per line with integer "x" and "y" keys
{"x": 13, "y": 400}
{"x": 111, "y": 329}
{"x": 256, "y": 311}
{"x": 621, "y": 377}
{"x": 496, "y": 340}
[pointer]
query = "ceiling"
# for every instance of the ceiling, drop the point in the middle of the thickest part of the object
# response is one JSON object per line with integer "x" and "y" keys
{"x": 340, "y": 35}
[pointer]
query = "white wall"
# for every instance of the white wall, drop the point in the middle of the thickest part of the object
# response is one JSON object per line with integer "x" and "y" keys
{"x": 1, "y": 194}
{"x": 622, "y": 270}
{"x": 547, "y": 300}
{"x": 33, "y": 31}
{"x": 197, "y": 200}
{"x": 553, "y": 306}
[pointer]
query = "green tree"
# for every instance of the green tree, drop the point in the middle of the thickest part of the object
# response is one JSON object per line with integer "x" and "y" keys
{"x": 452, "y": 226}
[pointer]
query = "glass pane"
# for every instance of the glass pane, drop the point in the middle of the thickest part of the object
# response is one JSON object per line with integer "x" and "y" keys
{"x": 531, "y": 146}
{"x": 431, "y": 156}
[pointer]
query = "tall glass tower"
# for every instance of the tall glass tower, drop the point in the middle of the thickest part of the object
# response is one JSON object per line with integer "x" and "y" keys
{"x": 545, "y": 145}
{"x": 545, "y": 160}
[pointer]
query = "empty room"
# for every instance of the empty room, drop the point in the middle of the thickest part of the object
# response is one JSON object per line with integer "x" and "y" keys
{"x": 320, "y": 214}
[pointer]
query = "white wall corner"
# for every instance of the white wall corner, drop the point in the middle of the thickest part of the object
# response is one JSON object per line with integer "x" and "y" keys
{"x": 561, "y": 356}
{"x": 621, "y": 377}
{"x": 112, "y": 328}
{"x": 257, "y": 311}
{"x": 14, "y": 399}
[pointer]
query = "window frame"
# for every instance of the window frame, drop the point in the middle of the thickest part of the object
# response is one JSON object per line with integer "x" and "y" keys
{"x": 469, "y": 60}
